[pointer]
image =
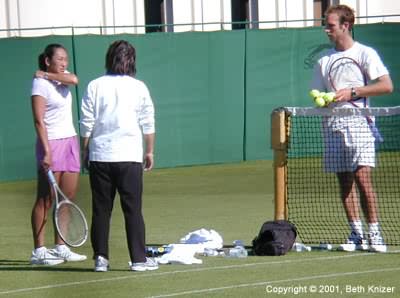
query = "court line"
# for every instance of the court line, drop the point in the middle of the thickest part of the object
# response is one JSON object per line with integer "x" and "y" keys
{"x": 257, "y": 284}
{"x": 155, "y": 274}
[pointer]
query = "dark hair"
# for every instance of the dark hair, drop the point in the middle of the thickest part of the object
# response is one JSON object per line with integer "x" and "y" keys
{"x": 345, "y": 13}
{"x": 121, "y": 58}
{"x": 48, "y": 52}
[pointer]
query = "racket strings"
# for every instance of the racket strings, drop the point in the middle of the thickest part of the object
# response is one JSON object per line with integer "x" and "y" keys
{"x": 345, "y": 73}
{"x": 71, "y": 224}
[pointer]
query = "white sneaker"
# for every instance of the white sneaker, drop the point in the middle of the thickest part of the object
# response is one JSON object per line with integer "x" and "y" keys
{"x": 376, "y": 242}
{"x": 143, "y": 266}
{"x": 64, "y": 252}
{"x": 101, "y": 264}
{"x": 41, "y": 256}
{"x": 353, "y": 243}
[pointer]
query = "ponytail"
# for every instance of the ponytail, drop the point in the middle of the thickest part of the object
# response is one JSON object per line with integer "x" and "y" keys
{"x": 42, "y": 62}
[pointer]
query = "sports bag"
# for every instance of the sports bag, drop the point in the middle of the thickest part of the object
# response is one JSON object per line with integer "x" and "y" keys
{"x": 275, "y": 238}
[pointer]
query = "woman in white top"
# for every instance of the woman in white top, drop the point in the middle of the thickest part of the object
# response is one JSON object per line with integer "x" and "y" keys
{"x": 57, "y": 147}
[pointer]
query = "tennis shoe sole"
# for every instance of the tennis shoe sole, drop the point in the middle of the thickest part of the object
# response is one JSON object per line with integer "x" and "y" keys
{"x": 144, "y": 266}
{"x": 353, "y": 247}
{"x": 382, "y": 248}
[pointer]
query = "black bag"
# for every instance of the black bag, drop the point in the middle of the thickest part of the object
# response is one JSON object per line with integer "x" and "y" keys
{"x": 275, "y": 238}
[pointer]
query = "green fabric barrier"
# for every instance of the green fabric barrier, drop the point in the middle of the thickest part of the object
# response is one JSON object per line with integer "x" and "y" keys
{"x": 213, "y": 91}
{"x": 196, "y": 82}
{"x": 278, "y": 70}
{"x": 383, "y": 38}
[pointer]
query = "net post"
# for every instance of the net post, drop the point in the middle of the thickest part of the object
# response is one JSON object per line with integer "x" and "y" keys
{"x": 279, "y": 140}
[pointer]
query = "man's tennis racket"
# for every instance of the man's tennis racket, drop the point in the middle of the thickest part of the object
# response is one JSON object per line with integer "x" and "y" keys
{"x": 345, "y": 72}
{"x": 69, "y": 219}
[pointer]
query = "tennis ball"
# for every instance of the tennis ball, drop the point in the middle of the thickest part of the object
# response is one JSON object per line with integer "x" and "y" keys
{"x": 329, "y": 97}
{"x": 319, "y": 102}
{"x": 314, "y": 93}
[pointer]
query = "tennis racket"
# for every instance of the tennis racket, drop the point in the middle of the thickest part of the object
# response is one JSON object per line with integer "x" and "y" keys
{"x": 345, "y": 72}
{"x": 69, "y": 219}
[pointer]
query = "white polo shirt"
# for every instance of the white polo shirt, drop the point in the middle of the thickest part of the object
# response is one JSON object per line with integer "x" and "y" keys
{"x": 58, "y": 114}
{"x": 115, "y": 111}
{"x": 366, "y": 57}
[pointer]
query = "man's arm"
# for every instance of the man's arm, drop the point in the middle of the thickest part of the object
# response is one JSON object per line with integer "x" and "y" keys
{"x": 382, "y": 85}
{"x": 149, "y": 151}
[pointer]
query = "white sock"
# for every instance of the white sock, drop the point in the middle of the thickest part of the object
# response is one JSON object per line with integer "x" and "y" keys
{"x": 60, "y": 247}
{"x": 356, "y": 226}
{"x": 40, "y": 249}
{"x": 373, "y": 227}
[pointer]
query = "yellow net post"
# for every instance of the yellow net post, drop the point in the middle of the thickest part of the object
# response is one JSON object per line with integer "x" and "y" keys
{"x": 279, "y": 140}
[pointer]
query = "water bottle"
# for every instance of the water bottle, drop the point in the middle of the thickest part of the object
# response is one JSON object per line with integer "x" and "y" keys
{"x": 238, "y": 243}
{"x": 300, "y": 247}
{"x": 154, "y": 251}
{"x": 325, "y": 246}
{"x": 238, "y": 251}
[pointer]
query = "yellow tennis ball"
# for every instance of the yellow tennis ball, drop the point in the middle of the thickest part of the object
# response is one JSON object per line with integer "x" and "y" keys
{"x": 319, "y": 102}
{"x": 329, "y": 97}
{"x": 314, "y": 93}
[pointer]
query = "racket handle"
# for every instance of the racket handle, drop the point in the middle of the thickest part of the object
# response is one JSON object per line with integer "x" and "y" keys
{"x": 51, "y": 177}
{"x": 375, "y": 132}
{"x": 377, "y": 135}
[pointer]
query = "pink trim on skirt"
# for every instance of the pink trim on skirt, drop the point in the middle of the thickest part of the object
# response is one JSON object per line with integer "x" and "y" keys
{"x": 64, "y": 154}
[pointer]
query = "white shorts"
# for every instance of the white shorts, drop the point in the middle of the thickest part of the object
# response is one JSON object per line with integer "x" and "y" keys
{"x": 349, "y": 147}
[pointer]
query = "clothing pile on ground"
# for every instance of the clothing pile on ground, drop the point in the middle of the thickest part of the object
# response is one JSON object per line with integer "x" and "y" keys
{"x": 193, "y": 243}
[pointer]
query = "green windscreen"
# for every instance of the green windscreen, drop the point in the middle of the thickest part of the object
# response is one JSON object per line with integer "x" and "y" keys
{"x": 213, "y": 91}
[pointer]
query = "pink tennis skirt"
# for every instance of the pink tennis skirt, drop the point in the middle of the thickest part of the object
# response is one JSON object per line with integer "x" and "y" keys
{"x": 64, "y": 153}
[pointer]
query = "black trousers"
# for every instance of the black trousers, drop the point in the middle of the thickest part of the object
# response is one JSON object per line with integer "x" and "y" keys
{"x": 105, "y": 179}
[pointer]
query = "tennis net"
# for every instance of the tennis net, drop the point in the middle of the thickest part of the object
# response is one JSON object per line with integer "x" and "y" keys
{"x": 307, "y": 190}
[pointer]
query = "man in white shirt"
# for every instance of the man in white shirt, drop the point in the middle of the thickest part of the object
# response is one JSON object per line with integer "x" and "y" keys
{"x": 117, "y": 114}
{"x": 352, "y": 161}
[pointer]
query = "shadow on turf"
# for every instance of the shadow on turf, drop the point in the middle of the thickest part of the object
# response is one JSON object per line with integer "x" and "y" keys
{"x": 23, "y": 265}
{"x": 160, "y": 245}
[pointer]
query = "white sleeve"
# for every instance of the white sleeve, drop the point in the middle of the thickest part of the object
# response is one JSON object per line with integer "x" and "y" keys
{"x": 146, "y": 115}
{"x": 374, "y": 65}
{"x": 39, "y": 87}
{"x": 87, "y": 114}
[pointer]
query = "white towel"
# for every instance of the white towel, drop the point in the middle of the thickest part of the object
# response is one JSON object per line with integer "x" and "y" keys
{"x": 209, "y": 238}
{"x": 181, "y": 254}
{"x": 193, "y": 243}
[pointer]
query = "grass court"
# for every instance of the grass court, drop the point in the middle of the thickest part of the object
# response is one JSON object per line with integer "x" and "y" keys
{"x": 234, "y": 200}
